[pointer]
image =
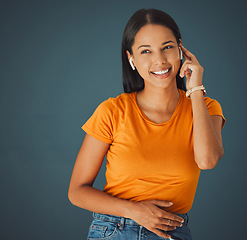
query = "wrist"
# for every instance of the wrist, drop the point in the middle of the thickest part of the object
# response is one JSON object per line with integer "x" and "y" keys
{"x": 129, "y": 209}
{"x": 197, "y": 94}
{"x": 200, "y": 88}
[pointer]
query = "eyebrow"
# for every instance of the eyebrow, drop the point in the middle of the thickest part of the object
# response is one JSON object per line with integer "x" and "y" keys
{"x": 150, "y": 46}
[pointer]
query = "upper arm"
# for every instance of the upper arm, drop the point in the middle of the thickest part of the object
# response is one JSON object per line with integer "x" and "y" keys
{"x": 88, "y": 162}
{"x": 217, "y": 122}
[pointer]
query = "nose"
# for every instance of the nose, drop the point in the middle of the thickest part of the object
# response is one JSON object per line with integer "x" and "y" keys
{"x": 159, "y": 58}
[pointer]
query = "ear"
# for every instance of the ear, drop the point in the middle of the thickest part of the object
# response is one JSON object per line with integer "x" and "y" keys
{"x": 180, "y": 44}
{"x": 128, "y": 55}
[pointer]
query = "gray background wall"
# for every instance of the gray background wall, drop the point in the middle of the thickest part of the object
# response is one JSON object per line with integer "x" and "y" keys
{"x": 59, "y": 60}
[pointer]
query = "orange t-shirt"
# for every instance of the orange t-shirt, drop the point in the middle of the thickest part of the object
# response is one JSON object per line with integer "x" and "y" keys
{"x": 147, "y": 160}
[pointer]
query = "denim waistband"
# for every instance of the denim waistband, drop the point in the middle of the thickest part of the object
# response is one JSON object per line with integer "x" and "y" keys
{"x": 127, "y": 221}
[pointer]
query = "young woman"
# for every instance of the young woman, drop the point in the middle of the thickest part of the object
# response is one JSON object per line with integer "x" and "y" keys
{"x": 157, "y": 136}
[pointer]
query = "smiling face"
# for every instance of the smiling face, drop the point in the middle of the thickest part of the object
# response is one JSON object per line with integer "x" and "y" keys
{"x": 156, "y": 55}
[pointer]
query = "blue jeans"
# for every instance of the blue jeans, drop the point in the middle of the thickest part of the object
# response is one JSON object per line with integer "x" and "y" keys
{"x": 109, "y": 227}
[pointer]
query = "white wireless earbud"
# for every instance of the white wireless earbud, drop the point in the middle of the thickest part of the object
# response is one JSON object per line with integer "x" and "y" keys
{"x": 181, "y": 53}
{"x": 131, "y": 64}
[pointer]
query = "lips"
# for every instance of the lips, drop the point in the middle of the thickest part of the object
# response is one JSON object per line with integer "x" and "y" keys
{"x": 161, "y": 72}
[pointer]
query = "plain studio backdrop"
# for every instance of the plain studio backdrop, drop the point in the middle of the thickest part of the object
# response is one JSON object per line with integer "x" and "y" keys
{"x": 59, "y": 60}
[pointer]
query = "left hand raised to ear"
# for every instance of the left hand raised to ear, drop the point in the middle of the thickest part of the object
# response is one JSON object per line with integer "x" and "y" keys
{"x": 191, "y": 69}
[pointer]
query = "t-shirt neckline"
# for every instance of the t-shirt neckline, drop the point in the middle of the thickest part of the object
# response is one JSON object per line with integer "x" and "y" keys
{"x": 176, "y": 111}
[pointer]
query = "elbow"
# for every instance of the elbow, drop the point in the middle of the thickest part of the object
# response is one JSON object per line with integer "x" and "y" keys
{"x": 210, "y": 161}
{"x": 75, "y": 194}
{"x": 206, "y": 165}
{"x": 70, "y": 197}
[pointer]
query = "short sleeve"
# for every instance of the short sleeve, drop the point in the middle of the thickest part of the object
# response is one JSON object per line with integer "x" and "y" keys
{"x": 214, "y": 108}
{"x": 100, "y": 124}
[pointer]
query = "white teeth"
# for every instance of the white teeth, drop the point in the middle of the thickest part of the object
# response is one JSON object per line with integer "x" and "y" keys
{"x": 162, "y": 72}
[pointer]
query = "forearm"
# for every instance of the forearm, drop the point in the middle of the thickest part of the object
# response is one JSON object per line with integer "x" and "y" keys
{"x": 98, "y": 201}
{"x": 207, "y": 145}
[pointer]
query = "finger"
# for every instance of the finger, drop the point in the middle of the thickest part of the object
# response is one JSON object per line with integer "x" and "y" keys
{"x": 162, "y": 203}
{"x": 187, "y": 72}
{"x": 189, "y": 55}
{"x": 173, "y": 217}
{"x": 160, "y": 233}
{"x": 186, "y": 66}
{"x": 171, "y": 223}
{"x": 186, "y": 57}
{"x": 187, "y": 61}
{"x": 187, "y": 52}
{"x": 165, "y": 227}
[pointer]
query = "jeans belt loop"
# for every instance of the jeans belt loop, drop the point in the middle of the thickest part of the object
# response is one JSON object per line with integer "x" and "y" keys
{"x": 122, "y": 223}
{"x": 187, "y": 219}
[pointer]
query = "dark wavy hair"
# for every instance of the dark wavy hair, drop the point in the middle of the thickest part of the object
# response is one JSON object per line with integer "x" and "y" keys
{"x": 132, "y": 81}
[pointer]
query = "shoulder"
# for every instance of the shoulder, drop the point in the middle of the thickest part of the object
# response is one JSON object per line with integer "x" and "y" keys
{"x": 208, "y": 101}
{"x": 118, "y": 102}
{"x": 213, "y": 105}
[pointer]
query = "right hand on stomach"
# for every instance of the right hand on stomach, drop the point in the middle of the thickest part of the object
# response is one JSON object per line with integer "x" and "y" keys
{"x": 149, "y": 214}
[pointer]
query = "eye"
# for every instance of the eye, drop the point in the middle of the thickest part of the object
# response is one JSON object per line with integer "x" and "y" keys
{"x": 144, "y": 51}
{"x": 168, "y": 47}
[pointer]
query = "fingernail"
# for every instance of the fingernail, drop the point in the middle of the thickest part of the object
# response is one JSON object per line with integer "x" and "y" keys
{"x": 171, "y": 203}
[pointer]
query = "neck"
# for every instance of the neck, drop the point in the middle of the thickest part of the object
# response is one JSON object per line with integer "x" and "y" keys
{"x": 159, "y": 99}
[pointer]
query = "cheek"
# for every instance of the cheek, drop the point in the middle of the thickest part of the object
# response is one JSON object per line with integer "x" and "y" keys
{"x": 144, "y": 61}
{"x": 143, "y": 66}
{"x": 177, "y": 63}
